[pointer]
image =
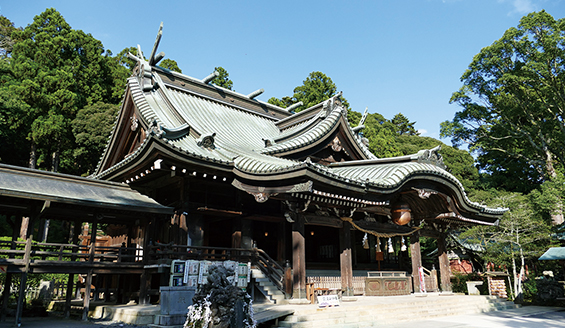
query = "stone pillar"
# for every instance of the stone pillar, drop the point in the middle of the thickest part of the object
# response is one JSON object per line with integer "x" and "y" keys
{"x": 416, "y": 257}
{"x": 345, "y": 259}
{"x": 298, "y": 259}
{"x": 444, "y": 269}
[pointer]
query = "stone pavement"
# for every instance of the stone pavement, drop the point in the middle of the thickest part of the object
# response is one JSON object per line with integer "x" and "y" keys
{"x": 525, "y": 317}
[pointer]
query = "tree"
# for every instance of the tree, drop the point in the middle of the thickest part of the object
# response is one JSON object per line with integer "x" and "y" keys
{"x": 222, "y": 80}
{"x": 317, "y": 88}
{"x": 513, "y": 103}
{"x": 170, "y": 65}
{"x": 6, "y": 41}
{"x": 92, "y": 127}
{"x": 459, "y": 162}
{"x": 59, "y": 70}
{"x": 403, "y": 125}
{"x": 521, "y": 236}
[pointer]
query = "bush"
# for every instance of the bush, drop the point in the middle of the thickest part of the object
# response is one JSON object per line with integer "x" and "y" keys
{"x": 459, "y": 282}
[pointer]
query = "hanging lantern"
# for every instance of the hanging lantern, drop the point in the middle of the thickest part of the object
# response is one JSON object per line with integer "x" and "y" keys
{"x": 401, "y": 213}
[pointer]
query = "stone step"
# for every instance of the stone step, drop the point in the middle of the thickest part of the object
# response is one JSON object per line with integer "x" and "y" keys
{"x": 359, "y": 316}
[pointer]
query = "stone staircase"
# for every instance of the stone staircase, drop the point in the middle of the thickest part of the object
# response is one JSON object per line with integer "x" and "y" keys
{"x": 383, "y": 311}
{"x": 271, "y": 292}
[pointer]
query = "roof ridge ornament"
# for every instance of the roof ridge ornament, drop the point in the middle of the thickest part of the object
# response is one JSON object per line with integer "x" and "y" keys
{"x": 145, "y": 72}
{"x": 210, "y": 77}
{"x": 207, "y": 141}
{"x": 154, "y": 59}
{"x": 294, "y": 106}
{"x": 431, "y": 156}
{"x": 361, "y": 124}
{"x": 255, "y": 93}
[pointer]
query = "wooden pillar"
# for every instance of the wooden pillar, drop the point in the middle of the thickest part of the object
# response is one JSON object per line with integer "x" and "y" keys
{"x": 68, "y": 295}
{"x": 416, "y": 257}
{"x": 88, "y": 282}
{"x": 298, "y": 259}
{"x": 246, "y": 234}
{"x": 345, "y": 259}
{"x": 70, "y": 282}
{"x": 23, "y": 279}
{"x": 8, "y": 282}
{"x": 444, "y": 269}
{"x": 6, "y": 296}
{"x": 87, "y": 290}
{"x": 281, "y": 242}
{"x": 236, "y": 233}
{"x": 145, "y": 279}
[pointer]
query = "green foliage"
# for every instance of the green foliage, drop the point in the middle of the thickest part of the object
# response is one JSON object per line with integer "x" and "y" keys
{"x": 171, "y": 65}
{"x": 59, "y": 70}
{"x": 91, "y": 128}
{"x": 459, "y": 282}
{"x": 13, "y": 130}
{"x": 317, "y": 88}
{"x": 513, "y": 106}
{"x": 404, "y": 126}
{"x": 6, "y": 41}
{"x": 222, "y": 80}
{"x": 522, "y": 231}
{"x": 458, "y": 162}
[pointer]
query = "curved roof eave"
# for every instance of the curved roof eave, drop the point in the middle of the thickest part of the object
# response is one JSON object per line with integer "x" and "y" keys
{"x": 327, "y": 120}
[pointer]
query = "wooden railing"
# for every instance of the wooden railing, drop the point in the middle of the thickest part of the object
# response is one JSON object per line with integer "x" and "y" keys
{"x": 430, "y": 279}
{"x": 334, "y": 282}
{"x": 14, "y": 251}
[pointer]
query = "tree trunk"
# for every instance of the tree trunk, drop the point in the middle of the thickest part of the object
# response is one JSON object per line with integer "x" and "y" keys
{"x": 33, "y": 156}
{"x": 557, "y": 215}
{"x": 56, "y": 158}
{"x": 514, "y": 275}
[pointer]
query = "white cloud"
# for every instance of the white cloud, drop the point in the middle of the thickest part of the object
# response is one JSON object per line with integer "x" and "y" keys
{"x": 422, "y": 132}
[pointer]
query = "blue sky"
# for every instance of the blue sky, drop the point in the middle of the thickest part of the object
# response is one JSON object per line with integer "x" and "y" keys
{"x": 403, "y": 56}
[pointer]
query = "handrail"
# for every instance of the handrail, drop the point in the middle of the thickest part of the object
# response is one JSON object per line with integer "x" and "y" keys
{"x": 270, "y": 268}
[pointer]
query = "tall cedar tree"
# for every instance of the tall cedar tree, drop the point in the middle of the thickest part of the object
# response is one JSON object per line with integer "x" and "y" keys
{"x": 59, "y": 71}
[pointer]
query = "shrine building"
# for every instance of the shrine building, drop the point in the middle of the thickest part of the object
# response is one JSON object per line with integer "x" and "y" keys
{"x": 300, "y": 185}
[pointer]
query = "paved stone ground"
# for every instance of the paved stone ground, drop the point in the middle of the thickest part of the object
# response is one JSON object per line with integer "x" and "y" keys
{"x": 58, "y": 322}
{"x": 525, "y": 317}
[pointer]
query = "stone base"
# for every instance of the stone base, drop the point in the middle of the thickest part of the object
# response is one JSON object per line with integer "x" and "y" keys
{"x": 349, "y": 299}
{"x": 299, "y": 301}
